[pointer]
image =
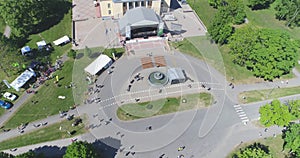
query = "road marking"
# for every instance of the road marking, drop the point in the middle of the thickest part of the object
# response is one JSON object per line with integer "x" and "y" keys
{"x": 242, "y": 115}
{"x": 241, "y": 112}
{"x": 237, "y": 105}
{"x": 238, "y": 108}
{"x": 243, "y": 118}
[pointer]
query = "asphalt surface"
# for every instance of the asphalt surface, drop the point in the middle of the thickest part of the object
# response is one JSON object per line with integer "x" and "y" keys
{"x": 208, "y": 132}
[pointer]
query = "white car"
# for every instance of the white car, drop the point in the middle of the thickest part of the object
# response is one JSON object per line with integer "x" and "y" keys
{"x": 9, "y": 96}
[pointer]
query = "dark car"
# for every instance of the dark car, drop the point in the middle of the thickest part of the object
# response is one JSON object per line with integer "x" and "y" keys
{"x": 5, "y": 105}
{"x": 77, "y": 121}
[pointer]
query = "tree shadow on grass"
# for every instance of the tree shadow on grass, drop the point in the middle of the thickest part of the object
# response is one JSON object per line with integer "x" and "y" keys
{"x": 106, "y": 148}
{"x": 56, "y": 13}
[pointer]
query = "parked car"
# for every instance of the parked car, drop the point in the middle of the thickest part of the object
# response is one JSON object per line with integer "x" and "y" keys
{"x": 5, "y": 105}
{"x": 10, "y": 96}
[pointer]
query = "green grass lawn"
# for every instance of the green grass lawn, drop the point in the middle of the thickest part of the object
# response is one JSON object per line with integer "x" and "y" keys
{"x": 53, "y": 33}
{"x": 164, "y": 106}
{"x": 79, "y": 76}
{"x": 275, "y": 146}
{"x": 259, "y": 95}
{"x": 47, "y": 102}
{"x": 204, "y": 11}
{"x": 48, "y": 133}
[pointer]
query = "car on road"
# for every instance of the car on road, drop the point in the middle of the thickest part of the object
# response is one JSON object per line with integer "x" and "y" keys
{"x": 5, "y": 105}
{"x": 10, "y": 96}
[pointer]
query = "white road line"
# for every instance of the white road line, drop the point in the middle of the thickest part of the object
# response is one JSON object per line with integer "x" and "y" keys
{"x": 238, "y": 105}
{"x": 238, "y": 108}
{"x": 242, "y": 115}
{"x": 243, "y": 118}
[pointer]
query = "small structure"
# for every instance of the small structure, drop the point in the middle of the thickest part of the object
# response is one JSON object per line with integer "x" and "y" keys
{"x": 176, "y": 75}
{"x": 61, "y": 41}
{"x": 140, "y": 22}
{"x": 22, "y": 79}
{"x": 25, "y": 50}
{"x": 102, "y": 62}
{"x": 41, "y": 44}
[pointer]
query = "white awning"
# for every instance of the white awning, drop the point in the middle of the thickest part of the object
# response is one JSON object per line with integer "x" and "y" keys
{"x": 62, "y": 40}
{"x": 103, "y": 61}
{"x": 41, "y": 43}
{"x": 22, "y": 79}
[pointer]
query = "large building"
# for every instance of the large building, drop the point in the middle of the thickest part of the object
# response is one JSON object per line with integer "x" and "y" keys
{"x": 117, "y": 8}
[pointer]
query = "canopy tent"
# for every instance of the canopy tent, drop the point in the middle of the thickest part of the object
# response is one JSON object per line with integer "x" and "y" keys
{"x": 22, "y": 79}
{"x": 25, "y": 50}
{"x": 41, "y": 44}
{"x": 102, "y": 62}
{"x": 62, "y": 40}
{"x": 176, "y": 75}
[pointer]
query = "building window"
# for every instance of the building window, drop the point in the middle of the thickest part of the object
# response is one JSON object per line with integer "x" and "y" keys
{"x": 143, "y": 4}
{"x": 108, "y": 5}
{"x": 109, "y": 12}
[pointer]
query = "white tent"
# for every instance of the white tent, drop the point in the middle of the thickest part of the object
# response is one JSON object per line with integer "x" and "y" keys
{"x": 62, "y": 40}
{"x": 25, "y": 50}
{"x": 41, "y": 44}
{"x": 102, "y": 62}
{"x": 176, "y": 75}
{"x": 22, "y": 79}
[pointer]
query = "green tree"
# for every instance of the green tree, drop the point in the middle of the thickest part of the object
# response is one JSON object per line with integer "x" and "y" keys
{"x": 288, "y": 10}
{"x": 80, "y": 149}
{"x": 294, "y": 107}
{"x": 274, "y": 114}
{"x": 267, "y": 53}
{"x": 5, "y": 155}
{"x": 292, "y": 139}
{"x": 255, "y": 150}
{"x": 216, "y": 3}
{"x": 72, "y": 54}
{"x": 220, "y": 30}
{"x": 259, "y": 4}
{"x": 23, "y": 15}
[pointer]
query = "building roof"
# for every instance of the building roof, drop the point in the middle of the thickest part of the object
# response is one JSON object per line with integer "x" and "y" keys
{"x": 176, "y": 74}
{"x": 98, "y": 64}
{"x": 139, "y": 17}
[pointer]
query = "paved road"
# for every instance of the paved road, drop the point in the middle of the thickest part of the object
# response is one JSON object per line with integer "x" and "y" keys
{"x": 211, "y": 132}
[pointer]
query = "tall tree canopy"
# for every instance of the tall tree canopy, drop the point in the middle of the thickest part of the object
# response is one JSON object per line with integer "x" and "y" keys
{"x": 294, "y": 107}
{"x": 255, "y": 150}
{"x": 292, "y": 139}
{"x": 220, "y": 30}
{"x": 274, "y": 114}
{"x": 259, "y": 4}
{"x": 288, "y": 10}
{"x": 21, "y": 16}
{"x": 80, "y": 149}
{"x": 267, "y": 53}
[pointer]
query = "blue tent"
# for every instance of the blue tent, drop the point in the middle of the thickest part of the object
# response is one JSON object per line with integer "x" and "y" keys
{"x": 25, "y": 50}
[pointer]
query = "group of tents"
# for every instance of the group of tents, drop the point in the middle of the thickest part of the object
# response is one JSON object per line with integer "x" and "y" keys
{"x": 42, "y": 44}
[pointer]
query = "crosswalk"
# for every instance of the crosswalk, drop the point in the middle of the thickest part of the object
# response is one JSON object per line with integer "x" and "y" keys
{"x": 240, "y": 112}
